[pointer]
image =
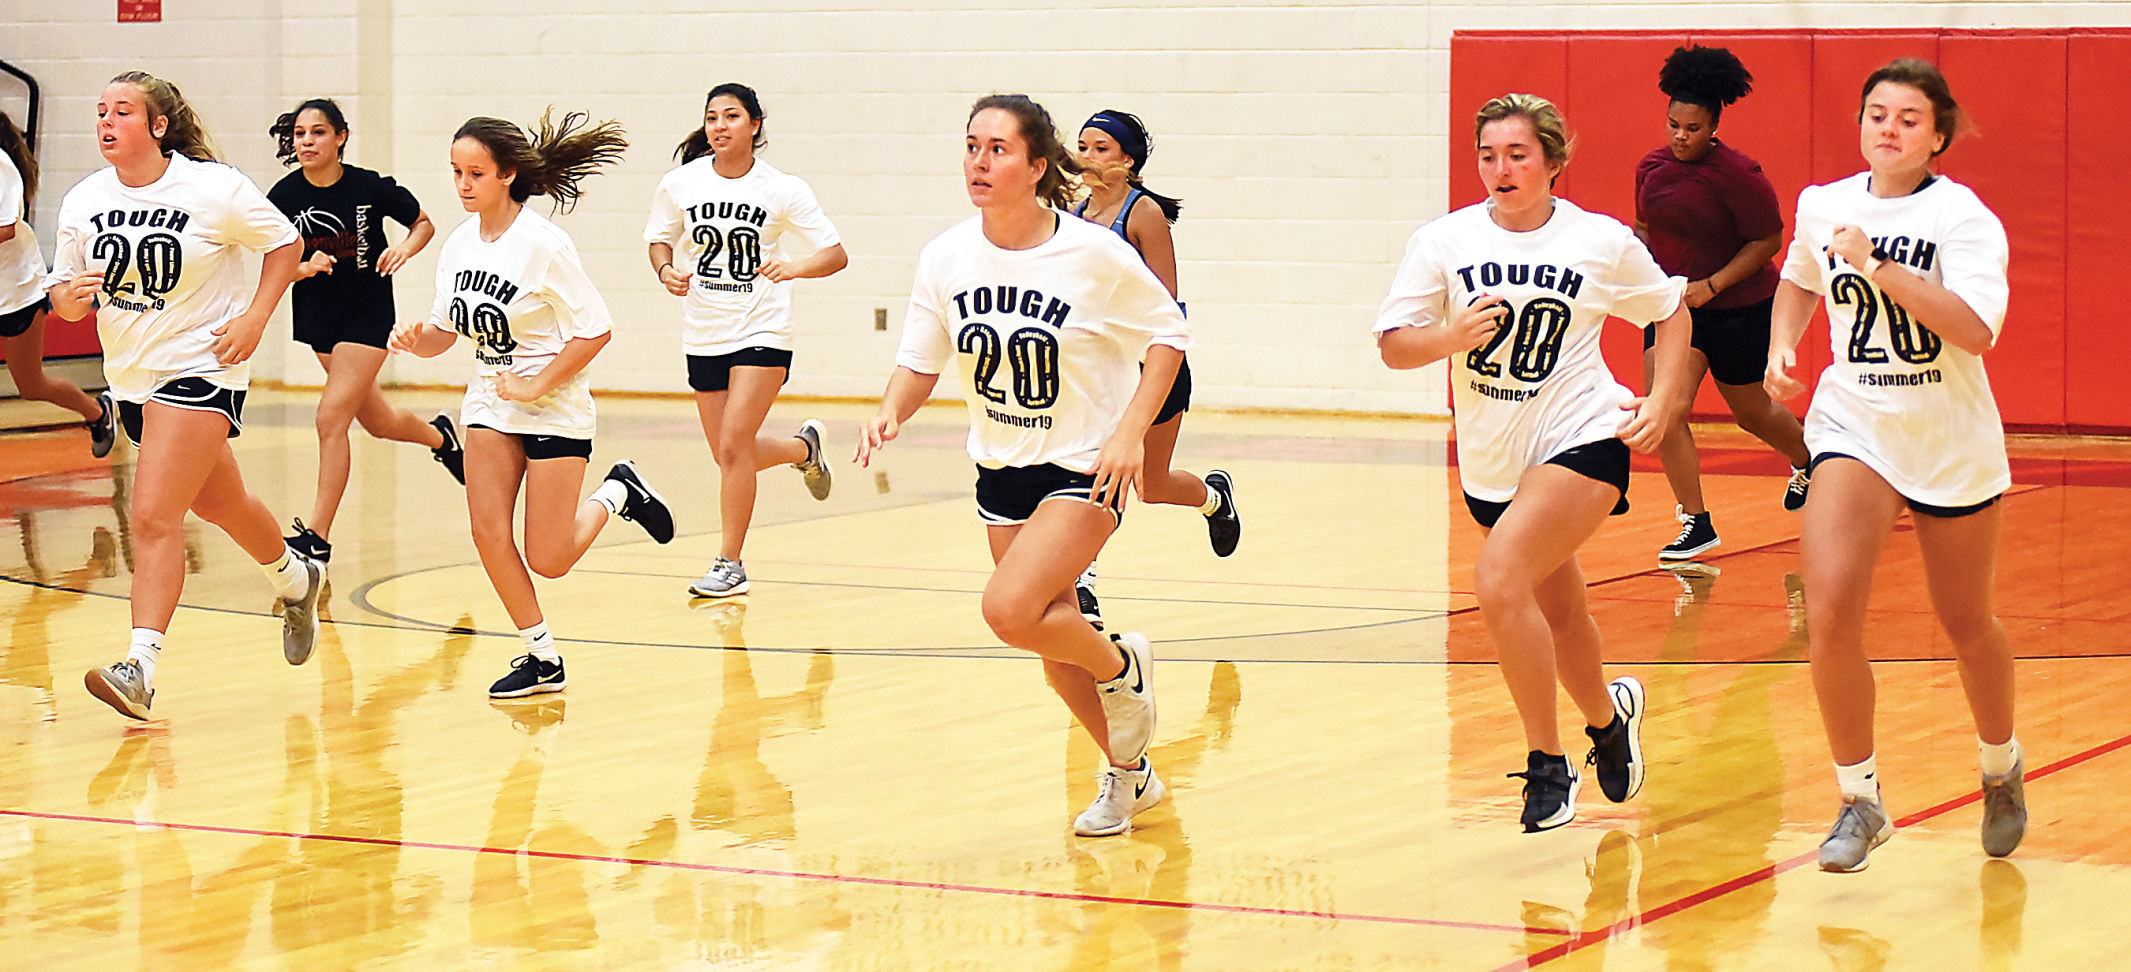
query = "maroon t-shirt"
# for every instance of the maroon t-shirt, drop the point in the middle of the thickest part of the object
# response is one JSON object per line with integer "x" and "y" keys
{"x": 1698, "y": 214}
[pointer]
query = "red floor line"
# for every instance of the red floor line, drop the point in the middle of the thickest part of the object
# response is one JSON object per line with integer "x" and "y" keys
{"x": 812, "y": 875}
{"x": 1585, "y": 940}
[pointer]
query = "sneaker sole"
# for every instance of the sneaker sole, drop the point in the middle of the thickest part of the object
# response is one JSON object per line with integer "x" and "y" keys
{"x": 543, "y": 688}
{"x": 735, "y": 591}
{"x": 1635, "y": 733}
{"x": 109, "y": 694}
{"x": 293, "y": 651}
{"x": 820, "y": 479}
{"x": 1567, "y": 812}
{"x": 1689, "y": 553}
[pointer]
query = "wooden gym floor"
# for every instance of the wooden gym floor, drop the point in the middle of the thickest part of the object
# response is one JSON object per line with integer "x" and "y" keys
{"x": 843, "y": 770}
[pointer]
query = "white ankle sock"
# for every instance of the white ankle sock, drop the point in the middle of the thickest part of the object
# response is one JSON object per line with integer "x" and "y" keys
{"x": 1212, "y": 504}
{"x": 288, "y": 575}
{"x": 1998, "y": 758}
{"x": 612, "y": 495}
{"x": 1087, "y": 577}
{"x": 147, "y": 649}
{"x": 1860, "y": 779}
{"x": 539, "y": 643}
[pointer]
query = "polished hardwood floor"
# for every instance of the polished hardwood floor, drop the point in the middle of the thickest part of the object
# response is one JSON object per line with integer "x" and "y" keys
{"x": 843, "y": 770}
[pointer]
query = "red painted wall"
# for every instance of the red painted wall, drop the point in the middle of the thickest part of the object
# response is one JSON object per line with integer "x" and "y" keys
{"x": 2056, "y": 364}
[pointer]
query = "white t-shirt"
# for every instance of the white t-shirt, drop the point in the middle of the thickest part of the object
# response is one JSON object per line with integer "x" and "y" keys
{"x": 171, "y": 256}
{"x": 21, "y": 263}
{"x": 1048, "y": 340}
{"x": 1541, "y": 387}
{"x": 521, "y": 299}
{"x": 1915, "y": 409}
{"x": 721, "y": 230}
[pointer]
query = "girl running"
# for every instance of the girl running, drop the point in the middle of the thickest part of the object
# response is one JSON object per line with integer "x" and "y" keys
{"x": 22, "y": 300}
{"x": 1047, "y": 319}
{"x": 342, "y": 301}
{"x": 1543, "y": 429}
{"x": 719, "y": 230}
{"x": 1911, "y": 267}
{"x": 1114, "y": 148}
{"x": 511, "y": 280}
{"x": 154, "y": 245}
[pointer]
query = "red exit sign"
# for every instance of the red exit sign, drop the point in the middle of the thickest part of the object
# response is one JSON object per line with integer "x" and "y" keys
{"x": 140, "y": 11}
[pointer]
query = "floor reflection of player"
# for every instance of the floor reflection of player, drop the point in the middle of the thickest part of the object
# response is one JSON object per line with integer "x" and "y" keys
{"x": 524, "y": 901}
{"x": 25, "y": 659}
{"x": 346, "y": 893}
{"x": 1152, "y": 863}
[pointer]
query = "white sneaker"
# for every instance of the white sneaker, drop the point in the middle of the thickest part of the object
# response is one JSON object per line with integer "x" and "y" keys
{"x": 1124, "y": 794}
{"x": 1128, "y": 699}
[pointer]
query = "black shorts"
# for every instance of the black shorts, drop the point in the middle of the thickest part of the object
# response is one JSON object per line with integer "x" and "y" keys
{"x": 322, "y": 335}
{"x": 1605, "y": 460}
{"x": 197, "y": 394}
{"x": 1009, "y": 495}
{"x": 1922, "y": 509}
{"x": 1179, "y": 400}
{"x": 546, "y": 446}
{"x": 1734, "y": 339}
{"x": 714, "y": 372}
{"x": 17, "y": 323}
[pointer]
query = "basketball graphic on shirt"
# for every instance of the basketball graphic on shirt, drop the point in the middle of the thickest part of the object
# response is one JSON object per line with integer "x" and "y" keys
{"x": 315, "y": 222}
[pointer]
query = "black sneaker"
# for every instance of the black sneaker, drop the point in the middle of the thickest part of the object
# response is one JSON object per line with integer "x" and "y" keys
{"x": 453, "y": 452}
{"x": 307, "y": 542}
{"x": 1617, "y": 750}
{"x": 1090, "y": 609}
{"x": 1223, "y": 526}
{"x": 529, "y": 676}
{"x": 644, "y": 507}
{"x": 103, "y": 429}
{"x": 1794, "y": 491}
{"x": 1697, "y": 536}
{"x": 1549, "y": 791}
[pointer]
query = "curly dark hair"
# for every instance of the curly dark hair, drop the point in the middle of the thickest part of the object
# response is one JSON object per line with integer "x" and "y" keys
{"x": 1711, "y": 77}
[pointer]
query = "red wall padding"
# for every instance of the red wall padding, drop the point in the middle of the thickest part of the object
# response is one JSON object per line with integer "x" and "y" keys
{"x": 67, "y": 339}
{"x": 2058, "y": 204}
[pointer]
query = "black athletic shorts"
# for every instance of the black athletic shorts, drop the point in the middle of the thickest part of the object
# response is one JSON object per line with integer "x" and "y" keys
{"x": 714, "y": 372}
{"x": 17, "y": 323}
{"x": 323, "y": 335}
{"x": 1923, "y": 509}
{"x": 1605, "y": 460}
{"x": 197, "y": 394}
{"x": 1009, "y": 495}
{"x": 546, "y": 446}
{"x": 1179, "y": 400}
{"x": 1734, "y": 339}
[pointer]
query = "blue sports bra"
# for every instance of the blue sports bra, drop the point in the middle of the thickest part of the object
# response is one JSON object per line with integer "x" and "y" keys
{"x": 1118, "y": 225}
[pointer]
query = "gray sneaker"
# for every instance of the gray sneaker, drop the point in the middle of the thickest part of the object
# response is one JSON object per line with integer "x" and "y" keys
{"x": 299, "y": 618}
{"x": 121, "y": 687}
{"x": 1128, "y": 700}
{"x": 1862, "y": 825}
{"x": 725, "y": 578}
{"x": 814, "y": 469}
{"x": 2004, "y": 811}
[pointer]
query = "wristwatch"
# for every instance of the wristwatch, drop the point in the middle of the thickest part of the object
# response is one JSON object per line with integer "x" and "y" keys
{"x": 1871, "y": 267}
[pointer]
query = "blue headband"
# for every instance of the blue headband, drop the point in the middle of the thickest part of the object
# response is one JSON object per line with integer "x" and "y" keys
{"x": 1127, "y": 141}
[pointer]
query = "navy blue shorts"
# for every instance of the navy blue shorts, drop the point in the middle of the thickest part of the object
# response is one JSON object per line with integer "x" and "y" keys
{"x": 1009, "y": 495}
{"x": 546, "y": 446}
{"x": 197, "y": 394}
{"x": 1605, "y": 460}
{"x": 1924, "y": 509}
{"x": 714, "y": 372}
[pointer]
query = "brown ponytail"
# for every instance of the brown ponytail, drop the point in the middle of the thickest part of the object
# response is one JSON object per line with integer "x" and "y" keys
{"x": 18, "y": 149}
{"x": 1056, "y": 185}
{"x": 555, "y": 160}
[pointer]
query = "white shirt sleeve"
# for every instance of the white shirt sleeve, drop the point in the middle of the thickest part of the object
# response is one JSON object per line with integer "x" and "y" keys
{"x": 665, "y": 224}
{"x": 580, "y": 312}
{"x": 440, "y": 308}
{"x": 925, "y": 347}
{"x": 1139, "y": 303}
{"x": 1973, "y": 259}
{"x": 803, "y": 215}
{"x": 10, "y": 196}
{"x": 1801, "y": 265}
{"x": 1640, "y": 292}
{"x": 1419, "y": 291}
{"x": 252, "y": 221}
{"x": 70, "y": 252}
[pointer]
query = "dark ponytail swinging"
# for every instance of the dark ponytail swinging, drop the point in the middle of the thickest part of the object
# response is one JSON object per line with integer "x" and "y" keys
{"x": 18, "y": 149}
{"x": 1134, "y": 140}
{"x": 697, "y": 144}
{"x": 284, "y": 127}
{"x": 555, "y": 160}
{"x": 1040, "y": 135}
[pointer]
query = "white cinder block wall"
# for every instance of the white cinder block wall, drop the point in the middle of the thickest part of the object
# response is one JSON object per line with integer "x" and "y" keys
{"x": 1306, "y": 138}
